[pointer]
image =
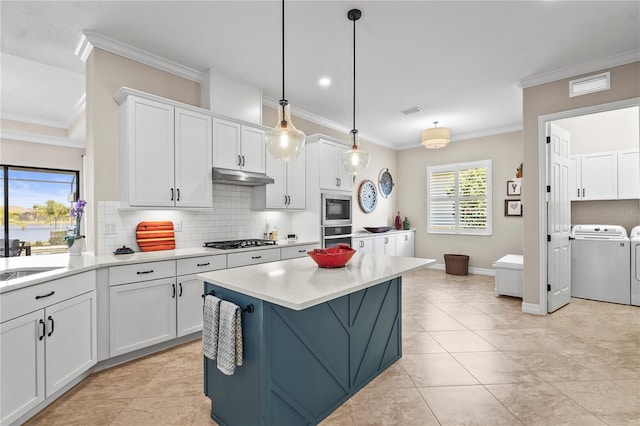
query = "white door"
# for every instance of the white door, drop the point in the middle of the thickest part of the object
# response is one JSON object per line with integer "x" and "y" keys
{"x": 275, "y": 192}
{"x": 405, "y": 244}
{"x": 142, "y": 315}
{"x": 151, "y": 157}
{"x": 558, "y": 220}
{"x": 226, "y": 144}
{"x": 328, "y": 159}
{"x": 390, "y": 245}
{"x": 253, "y": 149}
{"x": 345, "y": 180}
{"x": 21, "y": 365}
{"x": 628, "y": 174}
{"x": 190, "y": 304}
{"x": 600, "y": 176}
{"x": 71, "y": 342}
{"x": 296, "y": 182}
{"x": 193, "y": 159}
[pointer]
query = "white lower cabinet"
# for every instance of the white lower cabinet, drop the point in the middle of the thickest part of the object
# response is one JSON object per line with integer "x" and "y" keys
{"x": 405, "y": 244}
{"x": 142, "y": 314}
{"x": 390, "y": 244}
{"x": 44, "y": 350}
{"x": 191, "y": 289}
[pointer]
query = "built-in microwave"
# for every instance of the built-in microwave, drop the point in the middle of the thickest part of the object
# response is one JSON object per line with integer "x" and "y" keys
{"x": 336, "y": 209}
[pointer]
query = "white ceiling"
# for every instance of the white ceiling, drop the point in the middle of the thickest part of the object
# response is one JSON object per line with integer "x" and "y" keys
{"x": 459, "y": 61}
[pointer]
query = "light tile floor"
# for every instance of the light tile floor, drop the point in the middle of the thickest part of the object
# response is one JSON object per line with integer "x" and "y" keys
{"x": 469, "y": 359}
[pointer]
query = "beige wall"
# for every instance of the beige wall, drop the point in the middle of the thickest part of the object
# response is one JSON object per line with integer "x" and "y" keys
{"x": 547, "y": 99}
{"x": 105, "y": 74}
{"x": 505, "y": 151}
{"x": 20, "y": 153}
{"x": 381, "y": 158}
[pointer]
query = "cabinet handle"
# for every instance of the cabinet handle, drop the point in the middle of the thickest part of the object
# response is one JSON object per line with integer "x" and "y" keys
{"x": 45, "y": 295}
{"x": 337, "y": 182}
{"x": 43, "y": 329}
{"x": 239, "y": 161}
{"x": 582, "y": 192}
{"x": 406, "y": 238}
{"x": 386, "y": 240}
{"x": 178, "y": 191}
{"x": 285, "y": 200}
{"x": 578, "y": 192}
{"x": 243, "y": 160}
{"x": 288, "y": 200}
{"x": 173, "y": 287}
{"x": 256, "y": 257}
{"x": 180, "y": 294}
{"x": 171, "y": 194}
{"x": 361, "y": 243}
{"x": 52, "y": 326}
{"x": 203, "y": 264}
{"x": 150, "y": 271}
{"x": 301, "y": 251}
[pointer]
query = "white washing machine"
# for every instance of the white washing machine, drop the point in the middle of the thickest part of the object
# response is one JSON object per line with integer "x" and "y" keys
{"x": 600, "y": 263}
{"x": 635, "y": 266}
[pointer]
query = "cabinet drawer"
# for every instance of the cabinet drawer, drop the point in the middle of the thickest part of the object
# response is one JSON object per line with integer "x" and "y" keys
{"x": 252, "y": 257}
{"x": 297, "y": 251}
{"x": 141, "y": 272}
{"x": 38, "y": 296}
{"x": 196, "y": 265}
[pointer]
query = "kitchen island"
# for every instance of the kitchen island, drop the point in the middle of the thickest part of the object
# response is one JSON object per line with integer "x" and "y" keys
{"x": 315, "y": 336}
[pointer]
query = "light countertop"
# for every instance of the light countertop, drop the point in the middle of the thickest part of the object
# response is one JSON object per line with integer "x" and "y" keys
{"x": 62, "y": 265}
{"x": 361, "y": 233}
{"x": 299, "y": 283}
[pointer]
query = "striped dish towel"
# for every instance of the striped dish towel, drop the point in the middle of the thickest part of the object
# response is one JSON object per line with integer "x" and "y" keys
{"x": 210, "y": 326}
{"x": 229, "y": 338}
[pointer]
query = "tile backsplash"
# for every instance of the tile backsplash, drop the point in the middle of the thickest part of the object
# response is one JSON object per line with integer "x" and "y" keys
{"x": 230, "y": 218}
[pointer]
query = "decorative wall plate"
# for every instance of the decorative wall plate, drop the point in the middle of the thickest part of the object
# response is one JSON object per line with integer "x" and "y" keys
{"x": 385, "y": 182}
{"x": 367, "y": 196}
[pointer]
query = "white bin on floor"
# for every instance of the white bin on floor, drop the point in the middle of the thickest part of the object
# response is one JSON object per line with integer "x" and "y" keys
{"x": 509, "y": 275}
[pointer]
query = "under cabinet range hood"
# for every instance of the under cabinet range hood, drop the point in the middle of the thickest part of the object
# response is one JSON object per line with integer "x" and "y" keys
{"x": 239, "y": 177}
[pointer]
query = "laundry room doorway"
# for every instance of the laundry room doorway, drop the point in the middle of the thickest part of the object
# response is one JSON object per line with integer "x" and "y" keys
{"x": 594, "y": 136}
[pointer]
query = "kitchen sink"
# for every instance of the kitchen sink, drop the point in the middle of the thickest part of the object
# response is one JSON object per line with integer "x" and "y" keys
{"x": 11, "y": 274}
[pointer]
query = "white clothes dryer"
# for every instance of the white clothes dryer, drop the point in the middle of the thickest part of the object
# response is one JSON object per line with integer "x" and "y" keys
{"x": 600, "y": 263}
{"x": 635, "y": 266}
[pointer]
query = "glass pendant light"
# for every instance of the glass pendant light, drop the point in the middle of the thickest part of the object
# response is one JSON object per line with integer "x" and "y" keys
{"x": 284, "y": 141}
{"x": 355, "y": 161}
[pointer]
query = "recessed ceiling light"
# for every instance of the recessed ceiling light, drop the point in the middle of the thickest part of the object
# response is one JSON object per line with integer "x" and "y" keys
{"x": 324, "y": 82}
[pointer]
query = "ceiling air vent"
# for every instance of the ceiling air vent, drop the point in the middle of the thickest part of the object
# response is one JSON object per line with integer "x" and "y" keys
{"x": 411, "y": 110}
{"x": 591, "y": 84}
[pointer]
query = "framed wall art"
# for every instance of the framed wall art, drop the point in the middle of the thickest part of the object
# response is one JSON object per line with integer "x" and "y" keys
{"x": 512, "y": 208}
{"x": 513, "y": 187}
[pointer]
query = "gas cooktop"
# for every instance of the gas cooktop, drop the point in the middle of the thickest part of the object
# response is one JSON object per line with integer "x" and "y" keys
{"x": 236, "y": 244}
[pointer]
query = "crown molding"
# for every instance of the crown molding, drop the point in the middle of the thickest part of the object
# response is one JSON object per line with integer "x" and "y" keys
{"x": 314, "y": 118}
{"x": 579, "y": 69}
{"x": 470, "y": 135}
{"x": 139, "y": 55}
{"x": 43, "y": 139}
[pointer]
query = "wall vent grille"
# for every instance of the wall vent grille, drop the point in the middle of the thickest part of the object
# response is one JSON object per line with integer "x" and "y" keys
{"x": 591, "y": 84}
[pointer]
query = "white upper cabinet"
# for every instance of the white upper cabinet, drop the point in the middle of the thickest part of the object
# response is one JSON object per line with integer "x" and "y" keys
{"x": 629, "y": 174}
{"x": 238, "y": 146}
{"x": 605, "y": 175}
{"x": 599, "y": 176}
{"x": 165, "y": 152}
{"x": 289, "y": 190}
{"x": 192, "y": 159}
{"x": 333, "y": 175}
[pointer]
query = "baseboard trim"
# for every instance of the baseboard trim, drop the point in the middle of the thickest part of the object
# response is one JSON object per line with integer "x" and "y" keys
{"x": 473, "y": 271}
{"x": 532, "y": 308}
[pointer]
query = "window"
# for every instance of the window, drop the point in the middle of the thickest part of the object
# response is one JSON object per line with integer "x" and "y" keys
{"x": 36, "y": 209}
{"x": 459, "y": 198}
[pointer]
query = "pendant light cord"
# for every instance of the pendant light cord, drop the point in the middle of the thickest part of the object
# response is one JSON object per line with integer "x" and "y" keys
{"x": 283, "y": 50}
{"x": 354, "y": 74}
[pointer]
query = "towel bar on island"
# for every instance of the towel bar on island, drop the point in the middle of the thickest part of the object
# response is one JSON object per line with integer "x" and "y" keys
{"x": 249, "y": 308}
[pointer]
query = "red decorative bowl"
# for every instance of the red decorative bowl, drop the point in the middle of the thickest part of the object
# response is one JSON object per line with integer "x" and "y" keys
{"x": 332, "y": 257}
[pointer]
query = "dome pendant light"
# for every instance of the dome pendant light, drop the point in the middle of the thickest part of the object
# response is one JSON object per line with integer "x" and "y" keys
{"x": 284, "y": 141}
{"x": 437, "y": 137}
{"x": 355, "y": 161}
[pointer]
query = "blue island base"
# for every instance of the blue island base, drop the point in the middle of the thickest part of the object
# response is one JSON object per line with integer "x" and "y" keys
{"x": 299, "y": 366}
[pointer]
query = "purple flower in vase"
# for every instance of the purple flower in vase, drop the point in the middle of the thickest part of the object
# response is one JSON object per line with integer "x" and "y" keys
{"x": 76, "y": 212}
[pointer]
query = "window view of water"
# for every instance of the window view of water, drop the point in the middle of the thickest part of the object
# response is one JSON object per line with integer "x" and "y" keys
{"x": 38, "y": 211}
